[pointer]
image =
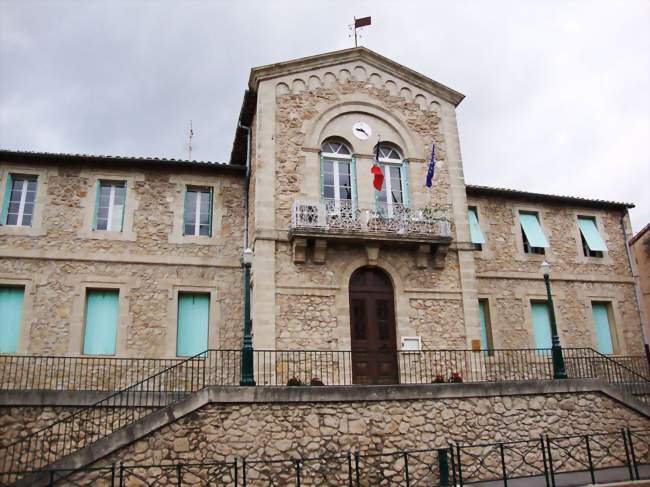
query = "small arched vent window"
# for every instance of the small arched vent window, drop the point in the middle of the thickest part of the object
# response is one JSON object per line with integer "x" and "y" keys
{"x": 337, "y": 172}
{"x": 394, "y": 193}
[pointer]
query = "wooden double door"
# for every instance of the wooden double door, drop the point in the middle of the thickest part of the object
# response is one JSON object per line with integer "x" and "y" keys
{"x": 372, "y": 327}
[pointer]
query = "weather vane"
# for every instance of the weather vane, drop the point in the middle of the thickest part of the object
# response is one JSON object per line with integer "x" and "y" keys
{"x": 358, "y": 23}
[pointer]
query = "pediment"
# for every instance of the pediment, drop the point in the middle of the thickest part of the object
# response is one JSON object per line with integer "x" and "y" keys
{"x": 359, "y": 64}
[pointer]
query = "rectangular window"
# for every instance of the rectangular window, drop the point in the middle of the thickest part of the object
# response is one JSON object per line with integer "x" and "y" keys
{"x": 541, "y": 324}
{"x": 193, "y": 319}
{"x": 475, "y": 232}
{"x": 19, "y": 200}
{"x": 337, "y": 180}
{"x": 109, "y": 206}
{"x": 602, "y": 313}
{"x": 11, "y": 309}
{"x": 394, "y": 192}
{"x": 532, "y": 234}
{"x": 198, "y": 211}
{"x": 486, "y": 326}
{"x": 100, "y": 332}
{"x": 593, "y": 244}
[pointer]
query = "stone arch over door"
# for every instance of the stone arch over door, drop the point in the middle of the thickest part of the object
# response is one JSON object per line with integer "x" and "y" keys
{"x": 372, "y": 327}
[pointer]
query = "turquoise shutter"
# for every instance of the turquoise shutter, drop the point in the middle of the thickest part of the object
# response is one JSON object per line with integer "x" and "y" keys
{"x": 11, "y": 309}
{"x": 100, "y": 333}
{"x": 353, "y": 177}
{"x": 603, "y": 330}
{"x": 476, "y": 235}
{"x": 322, "y": 179}
{"x": 210, "y": 214}
{"x": 6, "y": 198}
{"x": 185, "y": 211}
{"x": 591, "y": 234}
{"x": 406, "y": 197}
{"x": 533, "y": 230}
{"x": 193, "y": 319}
{"x": 541, "y": 325}
{"x": 484, "y": 337}
{"x": 123, "y": 189}
{"x": 98, "y": 187}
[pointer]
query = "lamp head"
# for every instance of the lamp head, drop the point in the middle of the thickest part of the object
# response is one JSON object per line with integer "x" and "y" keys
{"x": 247, "y": 257}
{"x": 545, "y": 268}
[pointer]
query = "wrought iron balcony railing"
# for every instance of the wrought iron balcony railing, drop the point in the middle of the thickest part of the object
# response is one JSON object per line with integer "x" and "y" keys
{"x": 387, "y": 218}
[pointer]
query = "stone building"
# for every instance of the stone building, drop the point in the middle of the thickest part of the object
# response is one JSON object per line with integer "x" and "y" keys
{"x": 106, "y": 256}
{"x": 640, "y": 245}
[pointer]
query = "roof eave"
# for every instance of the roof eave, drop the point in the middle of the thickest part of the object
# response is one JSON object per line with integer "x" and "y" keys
{"x": 518, "y": 194}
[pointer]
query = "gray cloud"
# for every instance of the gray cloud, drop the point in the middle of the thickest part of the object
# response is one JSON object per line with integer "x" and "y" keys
{"x": 557, "y": 91}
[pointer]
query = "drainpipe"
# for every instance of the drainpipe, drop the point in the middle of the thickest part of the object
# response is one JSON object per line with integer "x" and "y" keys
{"x": 637, "y": 290}
{"x": 247, "y": 371}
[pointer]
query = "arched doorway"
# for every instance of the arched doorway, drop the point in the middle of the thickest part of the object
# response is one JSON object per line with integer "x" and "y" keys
{"x": 372, "y": 327}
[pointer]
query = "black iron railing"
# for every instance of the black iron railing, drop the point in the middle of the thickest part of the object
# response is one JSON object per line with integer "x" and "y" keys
{"x": 316, "y": 367}
{"x": 594, "y": 457}
{"x": 23, "y": 372}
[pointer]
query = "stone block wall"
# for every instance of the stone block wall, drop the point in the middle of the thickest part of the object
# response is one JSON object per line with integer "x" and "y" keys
{"x": 149, "y": 262}
{"x": 273, "y": 431}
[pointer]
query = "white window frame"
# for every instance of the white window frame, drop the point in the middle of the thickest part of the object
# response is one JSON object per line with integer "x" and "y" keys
{"x": 390, "y": 162}
{"x": 111, "y": 204}
{"x": 23, "y": 199}
{"x": 335, "y": 158}
{"x": 197, "y": 215}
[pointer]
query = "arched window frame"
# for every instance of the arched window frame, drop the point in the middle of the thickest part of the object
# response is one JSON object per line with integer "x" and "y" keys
{"x": 338, "y": 161}
{"x": 388, "y": 166}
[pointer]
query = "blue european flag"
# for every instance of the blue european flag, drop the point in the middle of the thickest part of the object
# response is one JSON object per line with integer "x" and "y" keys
{"x": 432, "y": 166}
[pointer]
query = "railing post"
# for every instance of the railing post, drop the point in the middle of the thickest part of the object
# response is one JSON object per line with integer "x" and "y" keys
{"x": 453, "y": 464}
{"x": 541, "y": 444}
{"x": 51, "y": 482}
{"x": 356, "y": 468}
{"x": 633, "y": 455}
{"x": 113, "y": 475}
{"x": 247, "y": 369}
{"x": 460, "y": 466}
{"x": 590, "y": 460}
{"x": 121, "y": 474}
{"x": 550, "y": 461}
{"x": 243, "y": 471}
{"x": 443, "y": 466}
{"x": 298, "y": 473}
{"x": 179, "y": 474}
{"x": 406, "y": 468}
{"x": 349, "y": 469}
{"x": 503, "y": 465}
{"x": 627, "y": 453}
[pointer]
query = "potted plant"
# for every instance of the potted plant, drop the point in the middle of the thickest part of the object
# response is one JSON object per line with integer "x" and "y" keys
{"x": 294, "y": 381}
{"x": 439, "y": 379}
{"x": 455, "y": 377}
{"x": 315, "y": 381}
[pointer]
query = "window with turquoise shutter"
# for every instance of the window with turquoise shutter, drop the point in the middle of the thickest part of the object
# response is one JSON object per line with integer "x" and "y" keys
{"x": 602, "y": 327}
{"x": 193, "y": 320}
{"x": 534, "y": 240}
{"x": 19, "y": 200}
{"x": 100, "y": 331}
{"x": 475, "y": 232}
{"x": 486, "y": 326}
{"x": 11, "y": 309}
{"x": 541, "y": 324}
{"x": 394, "y": 193}
{"x": 593, "y": 244}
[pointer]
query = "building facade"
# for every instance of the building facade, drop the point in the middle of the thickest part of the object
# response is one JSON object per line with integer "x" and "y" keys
{"x": 124, "y": 257}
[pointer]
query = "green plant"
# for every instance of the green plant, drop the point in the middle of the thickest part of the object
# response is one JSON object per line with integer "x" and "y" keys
{"x": 439, "y": 379}
{"x": 315, "y": 381}
{"x": 294, "y": 381}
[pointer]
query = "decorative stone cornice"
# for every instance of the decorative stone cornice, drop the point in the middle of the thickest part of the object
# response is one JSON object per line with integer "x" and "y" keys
{"x": 378, "y": 61}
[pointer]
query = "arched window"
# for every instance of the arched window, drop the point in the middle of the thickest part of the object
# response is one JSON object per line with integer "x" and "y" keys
{"x": 394, "y": 192}
{"x": 338, "y": 175}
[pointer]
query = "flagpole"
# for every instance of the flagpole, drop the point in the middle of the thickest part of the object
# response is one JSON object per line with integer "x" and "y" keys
{"x": 355, "y": 31}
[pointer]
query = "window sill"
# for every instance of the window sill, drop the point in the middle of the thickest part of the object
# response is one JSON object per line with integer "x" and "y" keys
{"x": 125, "y": 236}
{"x": 21, "y": 231}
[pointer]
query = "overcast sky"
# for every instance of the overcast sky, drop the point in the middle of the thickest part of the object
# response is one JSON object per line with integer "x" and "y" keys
{"x": 557, "y": 91}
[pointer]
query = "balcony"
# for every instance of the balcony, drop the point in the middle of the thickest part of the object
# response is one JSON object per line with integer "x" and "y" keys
{"x": 425, "y": 228}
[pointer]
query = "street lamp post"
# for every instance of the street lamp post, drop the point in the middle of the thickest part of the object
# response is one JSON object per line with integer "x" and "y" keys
{"x": 247, "y": 373}
{"x": 559, "y": 370}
